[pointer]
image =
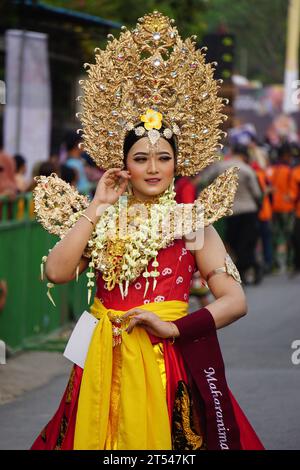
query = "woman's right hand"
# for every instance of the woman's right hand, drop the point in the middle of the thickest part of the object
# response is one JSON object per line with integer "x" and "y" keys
{"x": 111, "y": 186}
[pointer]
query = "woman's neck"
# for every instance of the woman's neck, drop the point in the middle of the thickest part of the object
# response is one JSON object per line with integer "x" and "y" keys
{"x": 147, "y": 202}
{"x": 145, "y": 199}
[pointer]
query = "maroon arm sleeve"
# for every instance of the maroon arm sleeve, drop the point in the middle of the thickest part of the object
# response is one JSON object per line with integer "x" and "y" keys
{"x": 195, "y": 326}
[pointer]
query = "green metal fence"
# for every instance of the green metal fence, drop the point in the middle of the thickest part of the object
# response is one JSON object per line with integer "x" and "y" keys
{"x": 28, "y": 316}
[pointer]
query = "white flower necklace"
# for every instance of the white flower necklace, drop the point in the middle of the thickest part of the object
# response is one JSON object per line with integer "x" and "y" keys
{"x": 121, "y": 259}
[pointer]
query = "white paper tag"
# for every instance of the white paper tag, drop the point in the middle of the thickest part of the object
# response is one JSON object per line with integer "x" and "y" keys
{"x": 79, "y": 342}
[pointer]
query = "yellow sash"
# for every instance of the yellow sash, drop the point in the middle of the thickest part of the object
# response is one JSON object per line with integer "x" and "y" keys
{"x": 122, "y": 402}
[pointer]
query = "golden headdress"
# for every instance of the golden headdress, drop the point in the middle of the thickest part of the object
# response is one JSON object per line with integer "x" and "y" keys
{"x": 150, "y": 81}
{"x": 151, "y": 75}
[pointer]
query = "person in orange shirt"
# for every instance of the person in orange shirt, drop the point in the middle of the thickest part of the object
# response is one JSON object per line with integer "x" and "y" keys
{"x": 265, "y": 216}
{"x": 282, "y": 207}
{"x": 295, "y": 195}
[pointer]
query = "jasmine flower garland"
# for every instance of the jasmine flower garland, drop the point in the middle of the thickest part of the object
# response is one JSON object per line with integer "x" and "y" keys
{"x": 123, "y": 257}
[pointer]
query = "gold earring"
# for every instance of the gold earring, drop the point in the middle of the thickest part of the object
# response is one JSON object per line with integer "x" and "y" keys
{"x": 172, "y": 185}
{"x": 129, "y": 189}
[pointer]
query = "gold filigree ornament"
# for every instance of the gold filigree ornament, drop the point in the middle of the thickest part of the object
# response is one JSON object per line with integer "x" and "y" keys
{"x": 123, "y": 252}
{"x": 152, "y": 81}
{"x": 229, "y": 268}
{"x": 145, "y": 71}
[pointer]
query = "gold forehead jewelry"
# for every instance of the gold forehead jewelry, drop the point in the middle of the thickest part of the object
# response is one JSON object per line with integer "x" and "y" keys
{"x": 153, "y": 82}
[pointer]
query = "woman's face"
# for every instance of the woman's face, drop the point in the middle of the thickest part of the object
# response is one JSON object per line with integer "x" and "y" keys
{"x": 146, "y": 163}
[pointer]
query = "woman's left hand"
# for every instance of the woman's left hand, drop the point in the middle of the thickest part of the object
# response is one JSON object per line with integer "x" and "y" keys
{"x": 151, "y": 323}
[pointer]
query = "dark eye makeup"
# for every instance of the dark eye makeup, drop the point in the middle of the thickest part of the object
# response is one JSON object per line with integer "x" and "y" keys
{"x": 142, "y": 159}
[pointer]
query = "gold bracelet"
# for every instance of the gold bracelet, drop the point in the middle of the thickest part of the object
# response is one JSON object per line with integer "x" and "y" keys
{"x": 173, "y": 337}
{"x": 87, "y": 218}
{"x": 229, "y": 268}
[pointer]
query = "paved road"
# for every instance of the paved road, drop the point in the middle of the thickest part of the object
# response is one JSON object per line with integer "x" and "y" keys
{"x": 257, "y": 352}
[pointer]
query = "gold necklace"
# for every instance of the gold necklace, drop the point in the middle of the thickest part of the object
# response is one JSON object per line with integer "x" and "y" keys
{"x": 123, "y": 259}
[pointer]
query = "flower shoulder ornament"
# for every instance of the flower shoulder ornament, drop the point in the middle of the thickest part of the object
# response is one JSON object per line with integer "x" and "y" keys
{"x": 150, "y": 81}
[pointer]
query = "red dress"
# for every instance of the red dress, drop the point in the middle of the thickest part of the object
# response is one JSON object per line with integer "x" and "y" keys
{"x": 185, "y": 190}
{"x": 176, "y": 267}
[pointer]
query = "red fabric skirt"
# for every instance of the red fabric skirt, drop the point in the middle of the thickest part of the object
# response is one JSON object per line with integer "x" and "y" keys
{"x": 58, "y": 434}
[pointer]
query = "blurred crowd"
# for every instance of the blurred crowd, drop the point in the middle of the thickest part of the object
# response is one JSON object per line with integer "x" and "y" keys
{"x": 69, "y": 163}
{"x": 262, "y": 235}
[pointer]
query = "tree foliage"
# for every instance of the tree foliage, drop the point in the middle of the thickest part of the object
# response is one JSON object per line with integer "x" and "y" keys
{"x": 259, "y": 26}
{"x": 188, "y": 13}
{"x": 260, "y": 30}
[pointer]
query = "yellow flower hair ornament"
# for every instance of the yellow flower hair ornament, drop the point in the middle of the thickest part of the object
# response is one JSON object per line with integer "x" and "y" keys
{"x": 152, "y": 120}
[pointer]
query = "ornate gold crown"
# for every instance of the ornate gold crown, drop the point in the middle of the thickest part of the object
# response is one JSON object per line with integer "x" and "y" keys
{"x": 151, "y": 69}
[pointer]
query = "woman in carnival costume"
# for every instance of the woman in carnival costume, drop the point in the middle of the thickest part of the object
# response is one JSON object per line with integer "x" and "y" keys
{"x": 153, "y": 377}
